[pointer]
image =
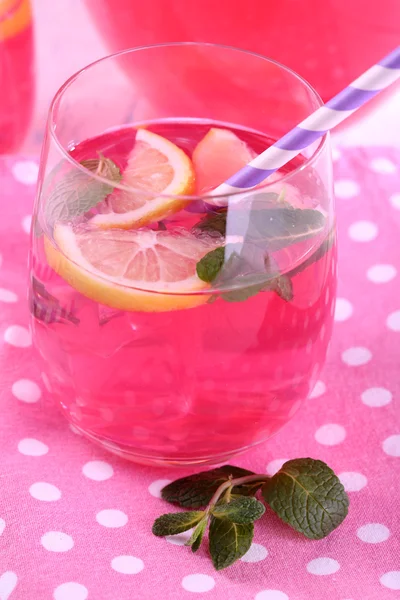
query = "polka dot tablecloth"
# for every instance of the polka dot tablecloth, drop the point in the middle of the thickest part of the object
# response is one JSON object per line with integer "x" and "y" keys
{"x": 75, "y": 522}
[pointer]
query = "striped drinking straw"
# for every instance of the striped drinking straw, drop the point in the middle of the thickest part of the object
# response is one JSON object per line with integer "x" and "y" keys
{"x": 325, "y": 118}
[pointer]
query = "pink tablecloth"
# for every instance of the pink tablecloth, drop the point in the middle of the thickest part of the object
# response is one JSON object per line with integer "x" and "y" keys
{"x": 75, "y": 522}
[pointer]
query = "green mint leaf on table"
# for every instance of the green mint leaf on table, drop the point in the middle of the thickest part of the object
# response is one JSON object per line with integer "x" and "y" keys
{"x": 173, "y": 523}
{"x": 197, "y": 490}
{"x": 198, "y": 534}
{"x": 240, "y": 510}
{"x": 228, "y": 541}
{"x": 307, "y": 495}
{"x": 77, "y": 192}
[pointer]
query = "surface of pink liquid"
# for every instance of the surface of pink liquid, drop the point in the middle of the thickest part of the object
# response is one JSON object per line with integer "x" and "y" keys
{"x": 327, "y": 43}
{"x": 16, "y": 74}
{"x": 194, "y": 385}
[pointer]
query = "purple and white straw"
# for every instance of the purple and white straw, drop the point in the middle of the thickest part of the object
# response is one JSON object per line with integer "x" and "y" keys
{"x": 325, "y": 118}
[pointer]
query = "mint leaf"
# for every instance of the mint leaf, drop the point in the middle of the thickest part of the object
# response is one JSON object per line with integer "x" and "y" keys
{"x": 264, "y": 219}
{"x": 307, "y": 495}
{"x": 318, "y": 254}
{"x": 240, "y": 510}
{"x": 173, "y": 523}
{"x": 252, "y": 271}
{"x": 214, "y": 224}
{"x": 197, "y": 490}
{"x": 277, "y": 228}
{"x": 283, "y": 286}
{"x": 228, "y": 541}
{"x": 77, "y": 192}
{"x": 210, "y": 265}
{"x": 197, "y": 535}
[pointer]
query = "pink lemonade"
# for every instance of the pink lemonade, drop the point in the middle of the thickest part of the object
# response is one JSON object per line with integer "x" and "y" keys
{"x": 198, "y": 375}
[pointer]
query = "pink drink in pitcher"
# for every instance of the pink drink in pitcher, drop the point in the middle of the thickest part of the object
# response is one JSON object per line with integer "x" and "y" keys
{"x": 173, "y": 330}
{"x": 327, "y": 43}
{"x": 16, "y": 73}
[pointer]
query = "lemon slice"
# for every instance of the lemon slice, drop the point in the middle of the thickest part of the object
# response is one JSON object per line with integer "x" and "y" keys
{"x": 134, "y": 270}
{"x": 155, "y": 166}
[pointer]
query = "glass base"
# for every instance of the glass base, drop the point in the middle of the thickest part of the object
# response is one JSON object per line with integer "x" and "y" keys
{"x": 132, "y": 455}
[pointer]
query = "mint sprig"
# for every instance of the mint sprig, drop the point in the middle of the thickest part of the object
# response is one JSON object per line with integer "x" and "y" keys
{"x": 305, "y": 493}
{"x": 76, "y": 192}
{"x": 264, "y": 220}
{"x": 250, "y": 269}
{"x": 266, "y": 223}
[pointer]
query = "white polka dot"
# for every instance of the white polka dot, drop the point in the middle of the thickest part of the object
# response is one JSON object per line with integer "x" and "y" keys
{"x": 391, "y": 580}
{"x": 255, "y": 553}
{"x": 128, "y": 565}
{"x": 393, "y": 321}
{"x": 47, "y": 492}
{"x": 8, "y": 582}
{"x": 318, "y": 389}
{"x": 180, "y": 539}
{"x": 70, "y": 591}
{"x": 323, "y": 566}
{"x": 391, "y": 446}
{"x": 26, "y": 390}
{"x": 363, "y": 231}
{"x": 274, "y": 466}
{"x": 352, "y": 481}
{"x": 18, "y": 336}
{"x": 381, "y": 273}
{"x": 330, "y": 435}
{"x": 32, "y": 447}
{"x": 25, "y": 171}
{"x": 376, "y": 397}
{"x": 271, "y": 595}
{"x": 198, "y": 583}
{"x": 98, "y": 470}
{"x": 26, "y": 224}
{"x": 373, "y": 533}
{"x": 7, "y": 296}
{"x": 346, "y": 188}
{"x": 357, "y": 356}
{"x": 395, "y": 201}
{"x": 336, "y": 154}
{"x": 382, "y": 165}
{"x": 343, "y": 309}
{"x": 57, "y": 541}
{"x": 156, "y": 487}
{"x": 111, "y": 517}
{"x": 2, "y": 525}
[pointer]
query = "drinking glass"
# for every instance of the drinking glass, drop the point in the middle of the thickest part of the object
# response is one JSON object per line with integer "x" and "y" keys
{"x": 173, "y": 330}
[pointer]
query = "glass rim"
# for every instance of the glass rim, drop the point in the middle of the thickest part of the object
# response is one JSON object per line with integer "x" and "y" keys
{"x": 52, "y": 125}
